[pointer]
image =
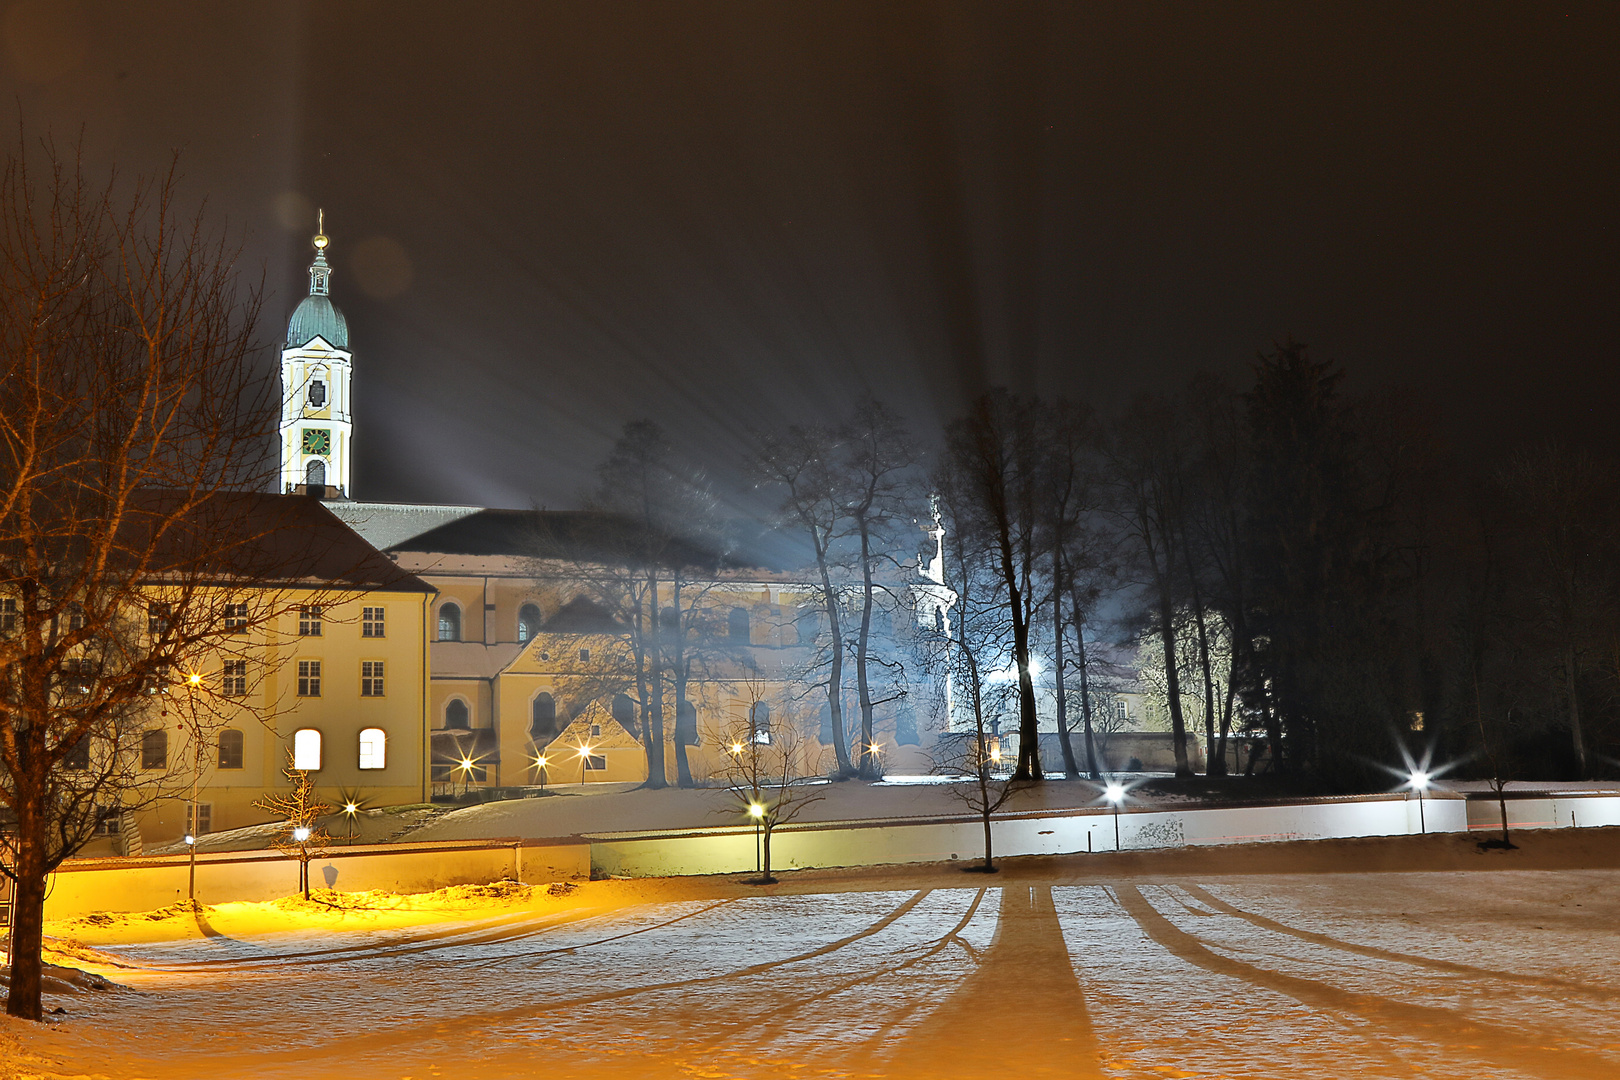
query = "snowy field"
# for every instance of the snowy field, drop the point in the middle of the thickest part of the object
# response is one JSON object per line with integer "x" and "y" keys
{"x": 1064, "y": 967}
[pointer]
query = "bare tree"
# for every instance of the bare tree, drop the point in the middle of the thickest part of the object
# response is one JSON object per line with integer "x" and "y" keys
{"x": 800, "y": 465}
{"x": 877, "y": 456}
{"x": 768, "y": 770}
{"x": 301, "y": 835}
{"x": 966, "y": 650}
{"x": 131, "y": 408}
{"x": 995, "y": 457}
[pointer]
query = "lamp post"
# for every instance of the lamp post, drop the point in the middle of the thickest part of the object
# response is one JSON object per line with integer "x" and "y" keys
{"x": 193, "y": 680}
{"x": 1115, "y": 794}
{"x": 300, "y": 835}
{"x": 584, "y": 759}
{"x": 1420, "y": 783}
{"x": 756, "y": 810}
{"x": 351, "y": 810}
{"x": 540, "y": 763}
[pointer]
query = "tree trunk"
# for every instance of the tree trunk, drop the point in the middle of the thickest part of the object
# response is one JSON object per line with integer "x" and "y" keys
{"x": 1085, "y": 686}
{"x": 1172, "y": 681}
{"x": 1071, "y": 770}
{"x": 765, "y": 864}
{"x": 989, "y": 844}
{"x": 652, "y": 718}
{"x": 835, "y": 674}
{"x": 1576, "y": 738}
{"x": 683, "y": 767}
{"x": 28, "y": 916}
{"x": 1029, "y": 745}
{"x": 863, "y": 757}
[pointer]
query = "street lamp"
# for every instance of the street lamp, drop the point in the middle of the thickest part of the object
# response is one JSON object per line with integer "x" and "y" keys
{"x": 1419, "y": 783}
{"x": 351, "y": 810}
{"x": 756, "y": 810}
{"x": 1115, "y": 794}
{"x": 584, "y": 759}
{"x": 540, "y": 763}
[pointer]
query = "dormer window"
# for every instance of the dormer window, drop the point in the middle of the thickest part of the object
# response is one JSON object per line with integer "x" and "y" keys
{"x": 317, "y": 394}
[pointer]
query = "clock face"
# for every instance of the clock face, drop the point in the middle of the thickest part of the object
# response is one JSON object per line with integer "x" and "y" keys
{"x": 317, "y": 441}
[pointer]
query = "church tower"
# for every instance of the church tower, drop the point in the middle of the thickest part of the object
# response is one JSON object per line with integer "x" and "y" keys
{"x": 317, "y": 422}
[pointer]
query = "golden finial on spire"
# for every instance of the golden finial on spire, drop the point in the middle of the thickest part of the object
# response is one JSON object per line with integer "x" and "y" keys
{"x": 320, "y": 231}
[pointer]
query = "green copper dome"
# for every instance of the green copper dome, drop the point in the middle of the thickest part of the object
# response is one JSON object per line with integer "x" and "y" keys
{"x": 317, "y": 315}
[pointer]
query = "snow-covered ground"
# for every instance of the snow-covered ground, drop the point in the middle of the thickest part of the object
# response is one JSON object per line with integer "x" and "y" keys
{"x": 1127, "y": 966}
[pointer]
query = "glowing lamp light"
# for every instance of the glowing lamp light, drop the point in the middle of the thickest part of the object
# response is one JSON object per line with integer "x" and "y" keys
{"x": 466, "y": 764}
{"x": 995, "y": 753}
{"x": 755, "y": 810}
{"x": 301, "y": 834}
{"x": 190, "y": 839}
{"x": 1114, "y": 793}
{"x": 194, "y": 679}
{"x": 585, "y": 751}
{"x": 541, "y": 761}
{"x": 350, "y": 808}
{"x": 1420, "y": 780}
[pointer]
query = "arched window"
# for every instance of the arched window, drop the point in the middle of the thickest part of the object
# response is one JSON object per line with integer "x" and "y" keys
{"x": 317, "y": 393}
{"x": 528, "y": 621}
{"x": 230, "y": 749}
{"x": 759, "y": 722}
{"x": 449, "y": 622}
{"x": 543, "y": 717}
{"x": 939, "y": 620}
{"x": 456, "y": 715}
{"x": 315, "y": 473}
{"x": 307, "y": 749}
{"x": 737, "y": 624}
{"x": 624, "y": 711}
{"x": 373, "y": 748}
{"x": 686, "y": 729}
{"x": 155, "y": 750}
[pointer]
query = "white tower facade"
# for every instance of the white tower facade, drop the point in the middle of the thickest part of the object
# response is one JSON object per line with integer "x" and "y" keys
{"x": 317, "y": 421}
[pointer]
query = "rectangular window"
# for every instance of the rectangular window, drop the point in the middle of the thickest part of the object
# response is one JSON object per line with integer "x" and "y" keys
{"x": 8, "y": 616}
{"x": 108, "y": 821}
{"x": 230, "y": 749}
{"x": 371, "y": 622}
{"x": 309, "y": 620}
{"x": 371, "y": 678}
{"x": 157, "y": 620}
{"x": 78, "y": 758}
{"x": 234, "y": 683}
{"x": 309, "y": 678}
{"x": 205, "y": 819}
{"x": 585, "y": 655}
{"x": 236, "y": 618}
{"x": 155, "y": 750}
{"x": 595, "y": 762}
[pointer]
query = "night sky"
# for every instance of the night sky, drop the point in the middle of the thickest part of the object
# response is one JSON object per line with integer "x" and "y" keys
{"x": 549, "y": 219}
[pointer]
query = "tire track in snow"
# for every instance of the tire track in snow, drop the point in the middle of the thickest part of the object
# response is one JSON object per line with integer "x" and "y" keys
{"x": 1451, "y": 967}
{"x": 599, "y": 941}
{"x": 481, "y": 933}
{"x": 1464, "y": 1037}
{"x": 778, "y": 1015}
{"x": 393, "y": 1040}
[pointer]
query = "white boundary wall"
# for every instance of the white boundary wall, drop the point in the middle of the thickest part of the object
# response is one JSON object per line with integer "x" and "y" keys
{"x": 1545, "y": 812}
{"x": 732, "y": 850}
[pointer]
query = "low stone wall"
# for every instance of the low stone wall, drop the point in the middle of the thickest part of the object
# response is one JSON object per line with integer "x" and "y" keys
{"x": 82, "y": 886}
{"x": 1574, "y": 810}
{"x": 871, "y": 843}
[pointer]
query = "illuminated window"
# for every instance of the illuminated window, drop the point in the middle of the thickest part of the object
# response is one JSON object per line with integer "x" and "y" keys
{"x": 309, "y": 678}
{"x": 737, "y": 625}
{"x": 528, "y": 621}
{"x": 373, "y": 748}
{"x": 371, "y": 622}
{"x": 8, "y": 616}
{"x": 371, "y": 678}
{"x": 230, "y": 749}
{"x": 457, "y": 716}
{"x": 449, "y": 622}
{"x": 157, "y": 620}
{"x": 234, "y": 681}
{"x": 759, "y": 722}
{"x": 155, "y": 750}
{"x": 543, "y": 717}
{"x": 307, "y": 749}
